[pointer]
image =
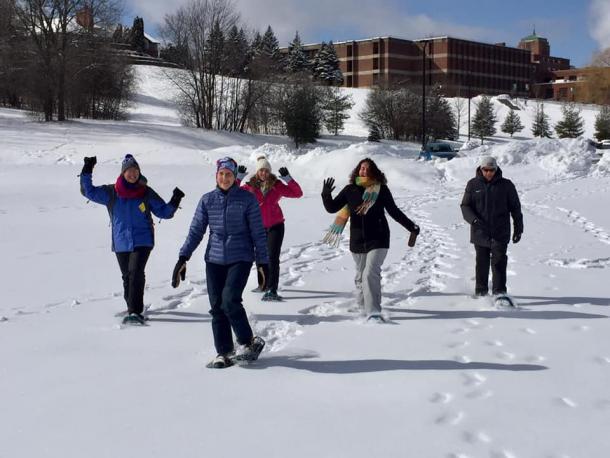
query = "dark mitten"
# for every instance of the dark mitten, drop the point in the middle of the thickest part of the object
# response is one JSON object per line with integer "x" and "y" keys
{"x": 242, "y": 169}
{"x": 263, "y": 270}
{"x": 413, "y": 236}
{"x": 328, "y": 186}
{"x": 516, "y": 237}
{"x": 179, "y": 271}
{"x": 176, "y": 197}
{"x": 89, "y": 164}
{"x": 283, "y": 172}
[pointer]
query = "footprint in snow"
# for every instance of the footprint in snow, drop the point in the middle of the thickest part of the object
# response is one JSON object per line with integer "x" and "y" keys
{"x": 535, "y": 359}
{"x": 502, "y": 454}
{"x": 3, "y": 318}
{"x": 581, "y": 328}
{"x": 603, "y": 360}
{"x": 441, "y": 398}
{"x": 479, "y": 394}
{"x": 528, "y": 331}
{"x": 494, "y": 343}
{"x": 462, "y": 359}
{"x": 474, "y": 379}
{"x": 462, "y": 344}
{"x": 450, "y": 418}
{"x": 507, "y": 356}
{"x": 474, "y": 437}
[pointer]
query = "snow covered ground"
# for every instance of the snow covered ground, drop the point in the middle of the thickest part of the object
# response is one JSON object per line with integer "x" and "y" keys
{"x": 450, "y": 376}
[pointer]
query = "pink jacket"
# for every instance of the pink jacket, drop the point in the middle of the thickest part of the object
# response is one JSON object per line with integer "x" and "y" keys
{"x": 269, "y": 203}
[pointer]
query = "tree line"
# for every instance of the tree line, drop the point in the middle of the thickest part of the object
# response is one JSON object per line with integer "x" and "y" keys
{"x": 56, "y": 59}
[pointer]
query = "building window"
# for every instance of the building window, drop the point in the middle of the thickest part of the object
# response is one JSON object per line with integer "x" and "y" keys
{"x": 376, "y": 79}
{"x": 350, "y": 66}
{"x": 350, "y": 51}
{"x": 375, "y": 63}
{"x": 350, "y": 81}
{"x": 375, "y": 48}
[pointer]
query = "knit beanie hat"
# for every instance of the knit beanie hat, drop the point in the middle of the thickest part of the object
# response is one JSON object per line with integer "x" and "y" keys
{"x": 262, "y": 163}
{"x": 128, "y": 162}
{"x": 226, "y": 163}
{"x": 488, "y": 162}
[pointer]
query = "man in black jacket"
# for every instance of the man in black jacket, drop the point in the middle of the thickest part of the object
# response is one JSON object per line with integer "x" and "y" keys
{"x": 488, "y": 203}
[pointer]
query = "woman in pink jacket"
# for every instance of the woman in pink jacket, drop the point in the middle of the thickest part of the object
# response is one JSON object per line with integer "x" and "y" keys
{"x": 268, "y": 191}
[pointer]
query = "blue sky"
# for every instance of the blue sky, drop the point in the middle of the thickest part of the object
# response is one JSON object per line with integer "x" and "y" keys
{"x": 576, "y": 29}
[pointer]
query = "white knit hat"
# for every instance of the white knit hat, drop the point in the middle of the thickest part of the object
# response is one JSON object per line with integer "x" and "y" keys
{"x": 262, "y": 163}
{"x": 488, "y": 161}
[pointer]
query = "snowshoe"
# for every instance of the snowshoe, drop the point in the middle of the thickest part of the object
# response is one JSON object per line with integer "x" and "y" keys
{"x": 258, "y": 289}
{"x": 124, "y": 313}
{"x": 272, "y": 296}
{"x": 134, "y": 319}
{"x": 502, "y": 300}
{"x": 220, "y": 362}
{"x": 249, "y": 352}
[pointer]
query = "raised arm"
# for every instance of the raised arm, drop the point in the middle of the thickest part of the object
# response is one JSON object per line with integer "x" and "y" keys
{"x": 165, "y": 210}
{"x": 332, "y": 205}
{"x": 291, "y": 189}
{"x": 97, "y": 194}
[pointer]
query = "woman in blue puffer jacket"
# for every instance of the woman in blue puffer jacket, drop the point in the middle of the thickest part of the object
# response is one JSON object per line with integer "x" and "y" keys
{"x": 237, "y": 238}
{"x": 130, "y": 203}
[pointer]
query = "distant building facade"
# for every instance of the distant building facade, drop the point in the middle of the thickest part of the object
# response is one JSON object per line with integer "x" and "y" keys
{"x": 461, "y": 67}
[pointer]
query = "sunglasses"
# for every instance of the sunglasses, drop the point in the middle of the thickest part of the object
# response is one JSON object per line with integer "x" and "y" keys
{"x": 487, "y": 170}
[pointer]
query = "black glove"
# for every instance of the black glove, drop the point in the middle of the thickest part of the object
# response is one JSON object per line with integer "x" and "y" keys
{"x": 328, "y": 186}
{"x": 242, "y": 169}
{"x": 179, "y": 271}
{"x": 415, "y": 230}
{"x": 283, "y": 171}
{"x": 516, "y": 237}
{"x": 176, "y": 197}
{"x": 89, "y": 164}
{"x": 263, "y": 270}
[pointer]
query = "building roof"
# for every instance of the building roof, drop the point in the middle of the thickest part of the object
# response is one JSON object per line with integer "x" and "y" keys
{"x": 151, "y": 39}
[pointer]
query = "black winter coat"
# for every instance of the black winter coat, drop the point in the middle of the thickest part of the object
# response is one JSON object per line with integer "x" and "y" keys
{"x": 371, "y": 231}
{"x": 488, "y": 206}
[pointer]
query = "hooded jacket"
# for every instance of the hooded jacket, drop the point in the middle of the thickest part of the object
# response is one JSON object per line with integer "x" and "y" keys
{"x": 131, "y": 220}
{"x": 488, "y": 205}
{"x": 235, "y": 226}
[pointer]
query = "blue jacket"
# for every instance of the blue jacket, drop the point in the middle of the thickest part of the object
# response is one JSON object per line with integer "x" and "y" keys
{"x": 132, "y": 224}
{"x": 236, "y": 228}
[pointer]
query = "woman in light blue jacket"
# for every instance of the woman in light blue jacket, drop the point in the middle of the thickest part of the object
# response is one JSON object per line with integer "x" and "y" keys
{"x": 237, "y": 239}
{"x": 130, "y": 202}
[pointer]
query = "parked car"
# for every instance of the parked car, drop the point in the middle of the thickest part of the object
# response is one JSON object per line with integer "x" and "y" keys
{"x": 440, "y": 150}
{"x": 604, "y": 144}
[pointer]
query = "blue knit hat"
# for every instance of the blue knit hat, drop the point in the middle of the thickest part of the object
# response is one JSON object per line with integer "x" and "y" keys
{"x": 128, "y": 162}
{"x": 226, "y": 163}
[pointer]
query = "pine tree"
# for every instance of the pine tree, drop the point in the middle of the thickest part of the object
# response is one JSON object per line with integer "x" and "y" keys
{"x": 325, "y": 65}
{"x": 602, "y": 124}
{"x": 440, "y": 120}
{"x": 269, "y": 45}
{"x": 540, "y": 127}
{"x": 483, "y": 123}
{"x": 297, "y": 59}
{"x": 335, "y": 108}
{"x": 374, "y": 134}
{"x": 512, "y": 123}
{"x": 137, "y": 34}
{"x": 301, "y": 113}
{"x": 571, "y": 126}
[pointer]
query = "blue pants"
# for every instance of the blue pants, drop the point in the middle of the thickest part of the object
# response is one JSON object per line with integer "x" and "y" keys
{"x": 225, "y": 286}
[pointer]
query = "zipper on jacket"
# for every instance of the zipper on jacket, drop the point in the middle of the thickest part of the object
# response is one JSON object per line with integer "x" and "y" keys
{"x": 224, "y": 237}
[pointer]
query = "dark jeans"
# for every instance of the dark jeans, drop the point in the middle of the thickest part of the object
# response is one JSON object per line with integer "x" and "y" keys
{"x": 496, "y": 256}
{"x": 132, "y": 264}
{"x": 275, "y": 237}
{"x": 225, "y": 286}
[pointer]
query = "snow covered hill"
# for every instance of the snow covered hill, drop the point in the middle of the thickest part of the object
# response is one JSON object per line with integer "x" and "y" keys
{"x": 450, "y": 376}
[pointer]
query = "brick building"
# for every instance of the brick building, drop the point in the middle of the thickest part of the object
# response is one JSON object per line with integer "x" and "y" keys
{"x": 460, "y": 67}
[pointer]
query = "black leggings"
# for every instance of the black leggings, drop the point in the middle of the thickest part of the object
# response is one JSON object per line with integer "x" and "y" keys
{"x": 496, "y": 257}
{"x": 275, "y": 237}
{"x": 132, "y": 264}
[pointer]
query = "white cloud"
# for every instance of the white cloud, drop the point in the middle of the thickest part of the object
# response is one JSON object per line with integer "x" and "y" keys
{"x": 327, "y": 19}
{"x": 600, "y": 22}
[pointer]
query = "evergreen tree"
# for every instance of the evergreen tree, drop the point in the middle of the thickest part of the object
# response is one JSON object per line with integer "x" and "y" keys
{"x": 374, "y": 134}
{"x": 335, "y": 108}
{"x": 571, "y": 126}
{"x": 137, "y": 34}
{"x": 297, "y": 59}
{"x": 269, "y": 45}
{"x": 300, "y": 112}
{"x": 236, "y": 52}
{"x": 440, "y": 120}
{"x": 512, "y": 123}
{"x": 325, "y": 65}
{"x": 540, "y": 127}
{"x": 602, "y": 124}
{"x": 483, "y": 123}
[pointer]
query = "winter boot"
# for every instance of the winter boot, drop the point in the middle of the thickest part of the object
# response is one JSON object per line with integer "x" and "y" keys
{"x": 249, "y": 352}
{"x": 220, "y": 362}
{"x": 272, "y": 296}
{"x": 134, "y": 319}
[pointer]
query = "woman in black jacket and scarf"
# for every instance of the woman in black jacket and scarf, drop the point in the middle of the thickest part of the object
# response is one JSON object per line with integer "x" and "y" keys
{"x": 365, "y": 200}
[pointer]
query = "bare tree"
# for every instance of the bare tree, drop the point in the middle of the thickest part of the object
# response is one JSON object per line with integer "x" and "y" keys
{"x": 459, "y": 107}
{"x": 55, "y": 28}
{"x": 601, "y": 59}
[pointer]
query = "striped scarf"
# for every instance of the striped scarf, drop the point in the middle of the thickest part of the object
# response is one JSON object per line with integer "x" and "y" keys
{"x": 371, "y": 192}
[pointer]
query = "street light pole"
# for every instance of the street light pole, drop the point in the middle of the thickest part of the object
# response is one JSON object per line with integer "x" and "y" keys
{"x": 423, "y": 98}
